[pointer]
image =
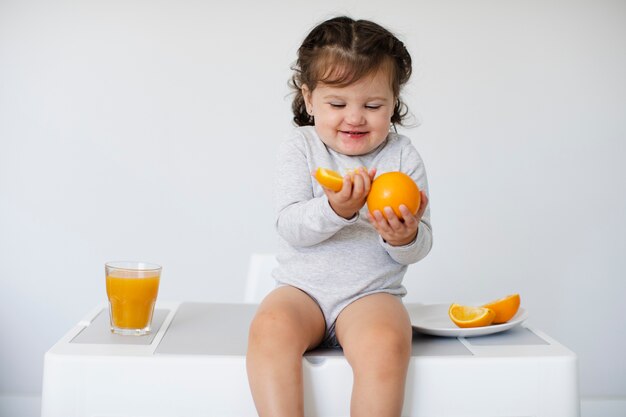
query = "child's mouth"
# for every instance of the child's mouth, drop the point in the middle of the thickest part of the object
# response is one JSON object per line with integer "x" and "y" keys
{"x": 353, "y": 134}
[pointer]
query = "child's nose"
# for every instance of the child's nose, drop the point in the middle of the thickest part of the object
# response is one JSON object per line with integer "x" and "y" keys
{"x": 355, "y": 117}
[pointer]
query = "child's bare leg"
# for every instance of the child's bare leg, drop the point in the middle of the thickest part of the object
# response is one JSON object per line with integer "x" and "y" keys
{"x": 287, "y": 324}
{"x": 375, "y": 333}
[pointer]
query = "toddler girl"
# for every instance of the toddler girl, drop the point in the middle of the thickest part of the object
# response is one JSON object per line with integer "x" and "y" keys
{"x": 341, "y": 268}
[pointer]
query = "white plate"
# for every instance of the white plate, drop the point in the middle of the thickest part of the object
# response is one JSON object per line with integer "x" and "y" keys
{"x": 433, "y": 319}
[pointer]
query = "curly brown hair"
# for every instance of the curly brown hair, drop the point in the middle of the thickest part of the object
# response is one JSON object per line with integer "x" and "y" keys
{"x": 341, "y": 51}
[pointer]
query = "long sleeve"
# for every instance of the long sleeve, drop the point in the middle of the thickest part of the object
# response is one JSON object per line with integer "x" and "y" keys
{"x": 414, "y": 251}
{"x": 302, "y": 219}
{"x": 413, "y": 165}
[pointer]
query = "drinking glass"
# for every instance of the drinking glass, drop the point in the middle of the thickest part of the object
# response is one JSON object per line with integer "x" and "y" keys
{"x": 132, "y": 289}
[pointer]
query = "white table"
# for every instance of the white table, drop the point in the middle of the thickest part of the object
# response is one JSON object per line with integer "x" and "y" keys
{"x": 194, "y": 365}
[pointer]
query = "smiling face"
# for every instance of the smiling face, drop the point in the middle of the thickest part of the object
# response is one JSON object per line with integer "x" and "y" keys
{"x": 352, "y": 119}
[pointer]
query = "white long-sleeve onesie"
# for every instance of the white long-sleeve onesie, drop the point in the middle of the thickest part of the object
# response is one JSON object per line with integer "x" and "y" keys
{"x": 334, "y": 260}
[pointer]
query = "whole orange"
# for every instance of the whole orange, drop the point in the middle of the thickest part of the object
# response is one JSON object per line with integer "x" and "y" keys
{"x": 392, "y": 189}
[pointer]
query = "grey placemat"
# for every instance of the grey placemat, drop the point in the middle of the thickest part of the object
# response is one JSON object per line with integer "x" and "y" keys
{"x": 427, "y": 345}
{"x": 99, "y": 332}
{"x": 222, "y": 329}
{"x": 208, "y": 329}
{"x": 516, "y": 336}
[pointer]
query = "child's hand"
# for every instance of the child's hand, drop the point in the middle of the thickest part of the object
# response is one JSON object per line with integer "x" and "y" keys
{"x": 353, "y": 194}
{"x": 395, "y": 231}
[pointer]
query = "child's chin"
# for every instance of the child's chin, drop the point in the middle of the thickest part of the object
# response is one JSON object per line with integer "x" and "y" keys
{"x": 354, "y": 149}
{"x": 354, "y": 152}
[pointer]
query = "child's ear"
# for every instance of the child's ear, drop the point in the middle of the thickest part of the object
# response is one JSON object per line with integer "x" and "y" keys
{"x": 306, "y": 94}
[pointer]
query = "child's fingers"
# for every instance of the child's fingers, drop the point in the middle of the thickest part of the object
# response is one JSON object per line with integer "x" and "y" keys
{"x": 346, "y": 188}
{"x": 409, "y": 219}
{"x": 381, "y": 222}
{"x": 367, "y": 180}
{"x": 372, "y": 220}
{"x": 423, "y": 204}
{"x": 394, "y": 221}
{"x": 358, "y": 186}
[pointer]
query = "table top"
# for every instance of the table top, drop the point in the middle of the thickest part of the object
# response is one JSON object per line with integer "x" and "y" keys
{"x": 221, "y": 329}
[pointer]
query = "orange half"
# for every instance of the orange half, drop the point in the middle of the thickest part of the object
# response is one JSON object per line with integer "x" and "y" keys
{"x": 505, "y": 308}
{"x": 464, "y": 316}
{"x": 329, "y": 179}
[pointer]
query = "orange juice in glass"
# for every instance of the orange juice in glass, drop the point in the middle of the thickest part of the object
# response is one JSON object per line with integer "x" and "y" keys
{"x": 132, "y": 289}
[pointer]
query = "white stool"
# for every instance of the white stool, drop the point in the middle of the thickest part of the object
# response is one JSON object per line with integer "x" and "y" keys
{"x": 194, "y": 365}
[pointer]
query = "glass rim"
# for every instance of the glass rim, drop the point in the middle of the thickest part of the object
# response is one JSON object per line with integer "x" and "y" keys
{"x": 133, "y": 266}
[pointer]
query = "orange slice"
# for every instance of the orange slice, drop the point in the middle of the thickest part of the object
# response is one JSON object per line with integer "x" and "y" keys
{"x": 329, "y": 179}
{"x": 505, "y": 308}
{"x": 464, "y": 316}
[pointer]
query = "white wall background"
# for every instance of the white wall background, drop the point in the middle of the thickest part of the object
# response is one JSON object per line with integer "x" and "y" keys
{"x": 147, "y": 130}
